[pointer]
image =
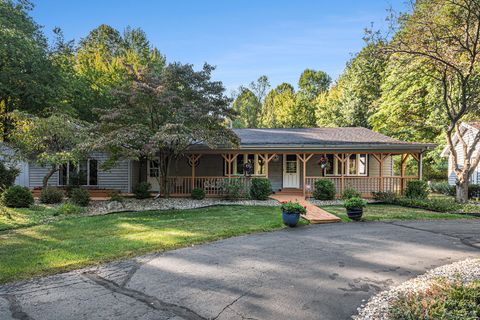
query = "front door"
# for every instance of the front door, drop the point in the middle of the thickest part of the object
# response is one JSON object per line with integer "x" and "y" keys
{"x": 291, "y": 174}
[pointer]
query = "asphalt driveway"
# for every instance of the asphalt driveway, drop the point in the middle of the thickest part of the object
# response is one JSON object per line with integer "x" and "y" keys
{"x": 314, "y": 272}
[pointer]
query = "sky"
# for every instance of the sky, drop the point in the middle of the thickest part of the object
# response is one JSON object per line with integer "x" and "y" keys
{"x": 243, "y": 39}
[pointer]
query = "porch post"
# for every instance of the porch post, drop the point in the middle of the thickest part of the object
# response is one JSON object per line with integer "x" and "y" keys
{"x": 381, "y": 171}
{"x": 404, "y": 158}
{"x": 420, "y": 166}
{"x": 341, "y": 158}
{"x": 304, "y": 158}
{"x": 379, "y": 158}
{"x": 193, "y": 159}
{"x": 267, "y": 161}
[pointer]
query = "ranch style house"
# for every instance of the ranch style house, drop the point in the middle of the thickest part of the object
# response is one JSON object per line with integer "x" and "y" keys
{"x": 292, "y": 159}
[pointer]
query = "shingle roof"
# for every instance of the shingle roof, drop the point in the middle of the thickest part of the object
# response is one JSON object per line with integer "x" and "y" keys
{"x": 315, "y": 136}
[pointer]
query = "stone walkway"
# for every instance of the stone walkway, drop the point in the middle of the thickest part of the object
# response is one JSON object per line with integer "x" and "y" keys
{"x": 314, "y": 214}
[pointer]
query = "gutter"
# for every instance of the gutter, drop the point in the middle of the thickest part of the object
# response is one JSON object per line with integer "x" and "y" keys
{"x": 322, "y": 147}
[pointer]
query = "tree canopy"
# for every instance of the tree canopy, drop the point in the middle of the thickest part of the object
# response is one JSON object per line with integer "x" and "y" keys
{"x": 164, "y": 114}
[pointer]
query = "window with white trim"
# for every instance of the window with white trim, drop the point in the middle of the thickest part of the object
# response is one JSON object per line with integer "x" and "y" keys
{"x": 254, "y": 161}
{"x": 154, "y": 169}
{"x": 355, "y": 165}
{"x": 84, "y": 174}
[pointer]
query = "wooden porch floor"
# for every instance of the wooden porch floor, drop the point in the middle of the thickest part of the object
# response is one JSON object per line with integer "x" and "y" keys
{"x": 315, "y": 215}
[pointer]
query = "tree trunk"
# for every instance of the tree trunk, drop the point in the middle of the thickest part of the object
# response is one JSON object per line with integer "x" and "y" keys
{"x": 164, "y": 168}
{"x": 462, "y": 191}
{"x": 48, "y": 176}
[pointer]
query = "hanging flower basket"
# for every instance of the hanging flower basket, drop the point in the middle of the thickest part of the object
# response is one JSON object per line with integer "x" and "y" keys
{"x": 324, "y": 163}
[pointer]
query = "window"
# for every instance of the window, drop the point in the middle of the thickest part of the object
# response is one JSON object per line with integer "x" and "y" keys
{"x": 291, "y": 163}
{"x": 85, "y": 174}
{"x": 154, "y": 169}
{"x": 355, "y": 165}
{"x": 256, "y": 164}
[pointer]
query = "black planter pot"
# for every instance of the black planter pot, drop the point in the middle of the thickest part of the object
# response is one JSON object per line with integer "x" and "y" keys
{"x": 355, "y": 213}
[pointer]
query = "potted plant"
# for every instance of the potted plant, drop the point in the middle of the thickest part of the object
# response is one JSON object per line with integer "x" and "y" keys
{"x": 355, "y": 207}
{"x": 291, "y": 212}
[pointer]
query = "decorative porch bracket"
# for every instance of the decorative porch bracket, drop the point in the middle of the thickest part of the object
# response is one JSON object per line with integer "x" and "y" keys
{"x": 193, "y": 161}
{"x": 229, "y": 157}
{"x": 304, "y": 158}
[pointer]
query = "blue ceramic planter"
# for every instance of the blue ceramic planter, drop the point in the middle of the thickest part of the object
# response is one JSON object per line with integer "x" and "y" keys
{"x": 290, "y": 219}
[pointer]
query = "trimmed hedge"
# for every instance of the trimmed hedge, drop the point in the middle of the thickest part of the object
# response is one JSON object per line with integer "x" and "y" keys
{"x": 51, "y": 195}
{"x": 443, "y": 188}
{"x": 324, "y": 190}
{"x": 260, "y": 189}
{"x": 435, "y": 204}
{"x": 17, "y": 197}
{"x": 417, "y": 189}
{"x": 80, "y": 197}
{"x": 142, "y": 190}
{"x": 198, "y": 194}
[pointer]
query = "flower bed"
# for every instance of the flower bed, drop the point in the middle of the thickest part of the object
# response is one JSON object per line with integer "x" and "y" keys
{"x": 104, "y": 207}
{"x": 385, "y": 305}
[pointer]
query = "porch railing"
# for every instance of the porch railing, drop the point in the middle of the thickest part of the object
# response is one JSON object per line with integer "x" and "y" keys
{"x": 213, "y": 186}
{"x": 364, "y": 185}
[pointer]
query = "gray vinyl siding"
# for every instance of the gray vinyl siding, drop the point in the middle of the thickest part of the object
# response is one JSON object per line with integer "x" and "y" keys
{"x": 36, "y": 174}
{"x": 452, "y": 177}
{"x": 116, "y": 178}
{"x": 208, "y": 165}
{"x": 275, "y": 173}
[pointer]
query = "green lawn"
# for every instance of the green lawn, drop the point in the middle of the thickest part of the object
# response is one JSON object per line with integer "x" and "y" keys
{"x": 23, "y": 217}
{"x": 76, "y": 242}
{"x": 387, "y": 212}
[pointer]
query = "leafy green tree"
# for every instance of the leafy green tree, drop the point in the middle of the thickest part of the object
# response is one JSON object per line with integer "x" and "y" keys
{"x": 312, "y": 83}
{"x": 103, "y": 59}
{"x": 248, "y": 109}
{"x": 49, "y": 142}
{"x": 444, "y": 38}
{"x": 249, "y": 102}
{"x": 353, "y": 98}
{"x": 161, "y": 116}
{"x": 279, "y": 103}
{"x": 28, "y": 79}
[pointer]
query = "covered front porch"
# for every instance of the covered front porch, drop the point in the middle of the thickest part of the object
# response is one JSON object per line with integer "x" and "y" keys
{"x": 363, "y": 171}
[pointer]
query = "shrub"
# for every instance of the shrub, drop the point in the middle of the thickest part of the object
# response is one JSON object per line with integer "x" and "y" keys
{"x": 17, "y": 197}
{"x": 443, "y": 188}
{"x": 198, "y": 194}
{"x": 442, "y": 300}
{"x": 293, "y": 207}
{"x": 142, "y": 190}
{"x": 416, "y": 189}
{"x": 473, "y": 191}
{"x": 69, "y": 208}
{"x": 80, "y": 197}
{"x": 260, "y": 189}
{"x": 439, "y": 205}
{"x": 50, "y": 195}
{"x": 355, "y": 202}
{"x": 349, "y": 193}
{"x": 234, "y": 190}
{"x": 116, "y": 196}
{"x": 387, "y": 197}
{"x": 324, "y": 190}
{"x": 7, "y": 176}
